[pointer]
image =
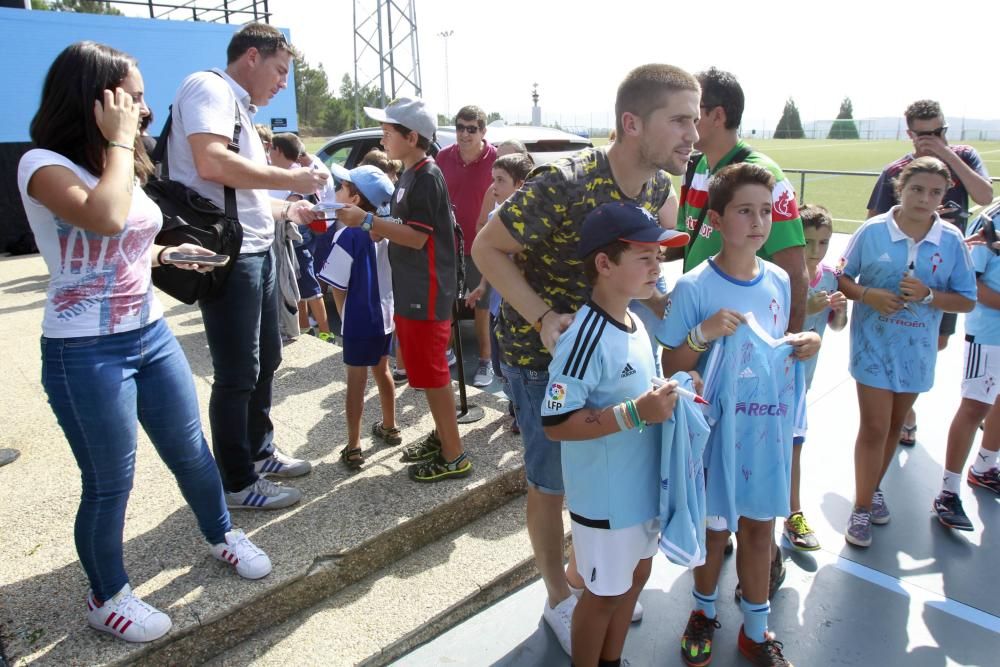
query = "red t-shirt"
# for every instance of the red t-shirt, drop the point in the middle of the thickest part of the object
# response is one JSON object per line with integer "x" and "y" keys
{"x": 467, "y": 185}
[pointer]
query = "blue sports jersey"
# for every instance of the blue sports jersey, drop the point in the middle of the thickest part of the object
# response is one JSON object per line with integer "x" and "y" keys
{"x": 825, "y": 280}
{"x": 682, "y": 481}
{"x": 898, "y": 352}
{"x": 361, "y": 266}
{"x": 611, "y": 482}
{"x": 757, "y": 395}
{"x": 983, "y": 323}
{"x": 705, "y": 290}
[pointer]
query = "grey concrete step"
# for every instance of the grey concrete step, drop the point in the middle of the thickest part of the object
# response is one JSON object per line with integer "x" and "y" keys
{"x": 346, "y": 527}
{"x": 398, "y": 608}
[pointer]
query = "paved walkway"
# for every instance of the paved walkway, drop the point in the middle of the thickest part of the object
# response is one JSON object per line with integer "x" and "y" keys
{"x": 921, "y": 596}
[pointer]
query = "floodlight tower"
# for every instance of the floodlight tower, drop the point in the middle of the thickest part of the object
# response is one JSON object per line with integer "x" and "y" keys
{"x": 386, "y": 49}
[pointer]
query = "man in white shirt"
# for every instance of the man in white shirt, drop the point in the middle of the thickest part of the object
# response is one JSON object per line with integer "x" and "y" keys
{"x": 241, "y": 323}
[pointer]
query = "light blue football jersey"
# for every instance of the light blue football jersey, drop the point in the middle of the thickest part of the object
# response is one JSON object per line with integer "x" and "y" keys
{"x": 898, "y": 352}
{"x": 682, "y": 481}
{"x": 983, "y": 323}
{"x": 611, "y": 482}
{"x": 825, "y": 280}
{"x": 757, "y": 395}
{"x": 705, "y": 290}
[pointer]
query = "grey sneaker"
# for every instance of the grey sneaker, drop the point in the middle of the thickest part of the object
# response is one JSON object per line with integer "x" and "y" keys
{"x": 859, "y": 528}
{"x": 263, "y": 495}
{"x": 281, "y": 465}
{"x": 450, "y": 356}
{"x": 880, "y": 511}
{"x": 484, "y": 374}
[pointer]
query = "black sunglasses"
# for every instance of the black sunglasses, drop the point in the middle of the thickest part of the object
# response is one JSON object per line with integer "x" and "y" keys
{"x": 936, "y": 132}
{"x": 468, "y": 129}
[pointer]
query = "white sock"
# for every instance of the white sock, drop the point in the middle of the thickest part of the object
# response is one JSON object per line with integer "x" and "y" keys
{"x": 951, "y": 482}
{"x": 985, "y": 459}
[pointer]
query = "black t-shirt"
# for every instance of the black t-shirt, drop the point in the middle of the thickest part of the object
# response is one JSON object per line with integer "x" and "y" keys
{"x": 424, "y": 281}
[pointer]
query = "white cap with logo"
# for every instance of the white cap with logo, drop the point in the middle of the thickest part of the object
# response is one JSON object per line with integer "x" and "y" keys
{"x": 409, "y": 112}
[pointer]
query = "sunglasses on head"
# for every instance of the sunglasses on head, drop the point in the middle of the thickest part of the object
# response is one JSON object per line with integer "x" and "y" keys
{"x": 468, "y": 129}
{"x": 936, "y": 132}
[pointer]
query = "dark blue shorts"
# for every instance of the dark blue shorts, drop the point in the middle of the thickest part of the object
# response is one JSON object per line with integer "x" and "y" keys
{"x": 308, "y": 284}
{"x": 364, "y": 351}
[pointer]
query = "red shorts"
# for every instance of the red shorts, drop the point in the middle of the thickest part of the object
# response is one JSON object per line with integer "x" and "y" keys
{"x": 425, "y": 344}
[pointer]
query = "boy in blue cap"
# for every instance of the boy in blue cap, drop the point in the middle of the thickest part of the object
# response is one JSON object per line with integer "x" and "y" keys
{"x": 601, "y": 404}
{"x": 358, "y": 269}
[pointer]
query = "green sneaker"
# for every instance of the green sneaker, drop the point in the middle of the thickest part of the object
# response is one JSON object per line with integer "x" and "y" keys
{"x": 799, "y": 534}
{"x": 696, "y": 642}
{"x": 438, "y": 469}
{"x": 389, "y": 436}
{"x": 425, "y": 450}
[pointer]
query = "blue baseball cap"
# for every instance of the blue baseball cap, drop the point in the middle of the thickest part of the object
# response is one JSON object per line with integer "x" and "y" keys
{"x": 624, "y": 222}
{"x": 371, "y": 182}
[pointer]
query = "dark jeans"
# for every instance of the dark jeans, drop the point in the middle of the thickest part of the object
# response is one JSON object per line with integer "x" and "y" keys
{"x": 99, "y": 387}
{"x": 241, "y": 325}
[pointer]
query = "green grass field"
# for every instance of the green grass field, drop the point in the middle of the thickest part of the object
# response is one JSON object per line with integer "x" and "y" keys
{"x": 845, "y": 196}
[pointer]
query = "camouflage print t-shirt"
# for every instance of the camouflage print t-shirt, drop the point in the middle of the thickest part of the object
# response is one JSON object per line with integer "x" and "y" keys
{"x": 545, "y": 217}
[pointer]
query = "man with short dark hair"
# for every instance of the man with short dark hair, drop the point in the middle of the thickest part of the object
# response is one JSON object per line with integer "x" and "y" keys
{"x": 241, "y": 322}
{"x": 927, "y": 129}
{"x": 467, "y": 166}
{"x": 527, "y": 251}
{"x": 722, "y": 103}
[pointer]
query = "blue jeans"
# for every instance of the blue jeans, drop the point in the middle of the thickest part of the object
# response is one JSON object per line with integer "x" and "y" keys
{"x": 241, "y": 324}
{"x": 542, "y": 457}
{"x": 99, "y": 387}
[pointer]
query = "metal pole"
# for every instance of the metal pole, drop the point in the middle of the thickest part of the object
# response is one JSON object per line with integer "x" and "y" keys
{"x": 392, "y": 61}
{"x": 447, "y": 75}
{"x": 381, "y": 50}
{"x": 357, "y": 108}
{"x": 802, "y": 188}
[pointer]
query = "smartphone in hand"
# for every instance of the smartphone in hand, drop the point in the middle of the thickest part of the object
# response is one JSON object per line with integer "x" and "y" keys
{"x": 203, "y": 260}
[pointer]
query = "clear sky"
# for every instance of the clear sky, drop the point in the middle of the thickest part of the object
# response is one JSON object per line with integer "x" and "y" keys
{"x": 577, "y": 52}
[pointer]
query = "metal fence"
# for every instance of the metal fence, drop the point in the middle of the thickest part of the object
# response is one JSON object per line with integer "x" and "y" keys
{"x": 833, "y": 172}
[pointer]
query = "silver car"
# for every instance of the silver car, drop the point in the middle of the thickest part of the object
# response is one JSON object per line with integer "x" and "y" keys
{"x": 544, "y": 143}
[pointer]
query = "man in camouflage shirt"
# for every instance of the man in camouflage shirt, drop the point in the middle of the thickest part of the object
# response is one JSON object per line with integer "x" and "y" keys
{"x": 528, "y": 253}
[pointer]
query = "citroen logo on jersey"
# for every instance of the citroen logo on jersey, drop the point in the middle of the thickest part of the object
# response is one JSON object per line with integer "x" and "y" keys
{"x": 628, "y": 370}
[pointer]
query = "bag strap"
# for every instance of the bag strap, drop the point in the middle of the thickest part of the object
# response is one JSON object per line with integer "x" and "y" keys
{"x": 739, "y": 156}
{"x": 160, "y": 152}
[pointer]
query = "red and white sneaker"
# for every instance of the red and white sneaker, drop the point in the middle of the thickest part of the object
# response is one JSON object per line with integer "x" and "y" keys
{"x": 127, "y": 617}
{"x": 250, "y": 562}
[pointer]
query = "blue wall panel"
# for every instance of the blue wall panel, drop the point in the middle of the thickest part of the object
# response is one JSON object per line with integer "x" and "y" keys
{"x": 167, "y": 52}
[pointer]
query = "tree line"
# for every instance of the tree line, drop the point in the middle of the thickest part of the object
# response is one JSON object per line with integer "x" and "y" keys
{"x": 790, "y": 125}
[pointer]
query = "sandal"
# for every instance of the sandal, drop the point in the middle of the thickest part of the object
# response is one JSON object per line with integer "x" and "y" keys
{"x": 390, "y": 436}
{"x": 908, "y": 435}
{"x": 425, "y": 450}
{"x": 352, "y": 458}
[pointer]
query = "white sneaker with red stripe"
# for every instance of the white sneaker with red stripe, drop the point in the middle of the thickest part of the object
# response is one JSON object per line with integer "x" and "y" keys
{"x": 127, "y": 617}
{"x": 249, "y": 561}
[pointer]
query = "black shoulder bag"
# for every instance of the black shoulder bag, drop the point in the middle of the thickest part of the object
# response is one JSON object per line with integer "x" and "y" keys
{"x": 190, "y": 218}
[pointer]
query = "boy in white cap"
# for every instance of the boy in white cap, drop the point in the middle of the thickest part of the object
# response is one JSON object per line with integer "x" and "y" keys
{"x": 422, "y": 255}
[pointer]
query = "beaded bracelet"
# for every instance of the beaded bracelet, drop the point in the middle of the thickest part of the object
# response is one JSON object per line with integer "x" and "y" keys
{"x": 695, "y": 346}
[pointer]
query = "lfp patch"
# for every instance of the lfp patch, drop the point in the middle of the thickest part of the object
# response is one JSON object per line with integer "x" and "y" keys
{"x": 557, "y": 396}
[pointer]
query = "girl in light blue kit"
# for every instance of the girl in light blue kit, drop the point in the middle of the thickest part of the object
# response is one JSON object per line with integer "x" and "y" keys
{"x": 903, "y": 268}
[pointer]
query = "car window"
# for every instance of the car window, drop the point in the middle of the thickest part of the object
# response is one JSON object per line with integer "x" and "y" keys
{"x": 338, "y": 154}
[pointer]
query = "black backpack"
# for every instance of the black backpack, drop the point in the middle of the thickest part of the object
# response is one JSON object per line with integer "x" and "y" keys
{"x": 190, "y": 218}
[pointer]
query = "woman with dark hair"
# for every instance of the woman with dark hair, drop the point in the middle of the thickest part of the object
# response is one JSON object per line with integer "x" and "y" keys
{"x": 108, "y": 358}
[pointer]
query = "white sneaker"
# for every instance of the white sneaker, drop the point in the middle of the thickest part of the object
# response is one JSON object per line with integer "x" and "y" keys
{"x": 263, "y": 495}
{"x": 636, "y": 612}
{"x": 450, "y": 356}
{"x": 127, "y": 617}
{"x": 560, "y": 619}
{"x": 281, "y": 465}
{"x": 250, "y": 562}
{"x": 484, "y": 374}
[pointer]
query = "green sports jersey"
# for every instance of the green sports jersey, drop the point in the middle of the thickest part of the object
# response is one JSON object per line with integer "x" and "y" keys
{"x": 786, "y": 228}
